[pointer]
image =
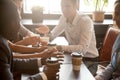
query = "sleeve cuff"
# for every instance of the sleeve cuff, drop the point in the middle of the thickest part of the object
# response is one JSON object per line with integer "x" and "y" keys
{"x": 44, "y": 77}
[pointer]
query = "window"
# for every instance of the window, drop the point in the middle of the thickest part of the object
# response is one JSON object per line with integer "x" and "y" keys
{"x": 53, "y": 6}
{"x": 90, "y": 8}
{"x": 50, "y": 6}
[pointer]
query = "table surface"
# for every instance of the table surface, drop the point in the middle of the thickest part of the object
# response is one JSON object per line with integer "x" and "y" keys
{"x": 66, "y": 71}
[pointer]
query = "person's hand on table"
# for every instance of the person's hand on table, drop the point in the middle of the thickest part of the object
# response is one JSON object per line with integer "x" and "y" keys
{"x": 52, "y": 52}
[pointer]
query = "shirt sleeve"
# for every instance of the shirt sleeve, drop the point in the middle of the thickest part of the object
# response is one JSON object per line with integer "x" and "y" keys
{"x": 5, "y": 67}
{"x": 107, "y": 73}
{"x": 59, "y": 29}
{"x": 24, "y": 31}
{"x": 86, "y": 27}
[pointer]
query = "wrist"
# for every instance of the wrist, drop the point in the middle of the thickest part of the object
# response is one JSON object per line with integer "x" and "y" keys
{"x": 59, "y": 48}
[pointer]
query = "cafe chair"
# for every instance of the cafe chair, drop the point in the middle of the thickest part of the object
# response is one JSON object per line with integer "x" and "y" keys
{"x": 106, "y": 48}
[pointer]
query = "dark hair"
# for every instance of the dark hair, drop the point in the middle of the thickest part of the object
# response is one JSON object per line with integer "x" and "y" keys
{"x": 117, "y": 1}
{"x": 8, "y": 15}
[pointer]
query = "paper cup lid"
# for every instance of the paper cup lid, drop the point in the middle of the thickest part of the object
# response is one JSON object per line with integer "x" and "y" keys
{"x": 76, "y": 54}
{"x": 52, "y": 60}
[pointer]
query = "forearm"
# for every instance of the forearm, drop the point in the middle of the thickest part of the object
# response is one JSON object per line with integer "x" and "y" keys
{"x": 24, "y": 49}
{"x": 107, "y": 73}
{"x": 27, "y": 56}
{"x": 22, "y": 42}
{"x": 72, "y": 48}
{"x": 24, "y": 31}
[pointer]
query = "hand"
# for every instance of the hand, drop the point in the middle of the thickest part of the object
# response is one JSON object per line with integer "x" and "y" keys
{"x": 52, "y": 53}
{"x": 43, "y": 29}
{"x": 59, "y": 48}
{"x": 31, "y": 34}
{"x": 98, "y": 78}
{"x": 35, "y": 41}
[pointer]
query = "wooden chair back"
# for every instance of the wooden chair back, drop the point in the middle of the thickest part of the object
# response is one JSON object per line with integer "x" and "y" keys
{"x": 106, "y": 49}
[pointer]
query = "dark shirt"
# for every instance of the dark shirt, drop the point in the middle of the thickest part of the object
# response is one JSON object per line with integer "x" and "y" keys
{"x": 9, "y": 65}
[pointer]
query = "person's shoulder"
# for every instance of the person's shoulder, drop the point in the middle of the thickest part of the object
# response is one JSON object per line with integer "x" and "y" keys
{"x": 84, "y": 16}
{"x": 62, "y": 17}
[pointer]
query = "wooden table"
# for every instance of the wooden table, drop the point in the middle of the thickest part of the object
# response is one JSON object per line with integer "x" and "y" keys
{"x": 66, "y": 71}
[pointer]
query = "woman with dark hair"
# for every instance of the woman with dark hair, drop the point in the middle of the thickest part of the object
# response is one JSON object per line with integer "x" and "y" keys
{"x": 9, "y": 27}
{"x": 112, "y": 71}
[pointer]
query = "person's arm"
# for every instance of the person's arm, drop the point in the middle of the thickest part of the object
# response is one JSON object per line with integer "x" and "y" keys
{"x": 58, "y": 30}
{"x": 29, "y": 41}
{"x": 25, "y": 32}
{"x": 106, "y": 74}
{"x": 5, "y": 65}
{"x": 25, "y": 49}
{"x": 43, "y": 54}
{"x": 34, "y": 41}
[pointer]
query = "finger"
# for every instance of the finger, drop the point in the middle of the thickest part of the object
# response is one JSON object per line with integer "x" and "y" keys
{"x": 60, "y": 56}
{"x": 60, "y": 59}
{"x": 42, "y": 48}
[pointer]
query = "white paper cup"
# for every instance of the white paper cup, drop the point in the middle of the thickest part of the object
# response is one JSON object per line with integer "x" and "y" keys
{"x": 76, "y": 61}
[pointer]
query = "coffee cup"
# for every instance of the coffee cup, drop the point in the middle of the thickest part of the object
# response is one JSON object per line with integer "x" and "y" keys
{"x": 76, "y": 61}
{"x": 53, "y": 67}
{"x": 45, "y": 39}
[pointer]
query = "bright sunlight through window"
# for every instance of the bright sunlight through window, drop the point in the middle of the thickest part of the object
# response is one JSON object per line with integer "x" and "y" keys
{"x": 50, "y": 6}
{"x": 53, "y": 6}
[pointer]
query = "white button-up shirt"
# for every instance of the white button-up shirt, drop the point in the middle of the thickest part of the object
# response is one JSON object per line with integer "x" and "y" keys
{"x": 80, "y": 35}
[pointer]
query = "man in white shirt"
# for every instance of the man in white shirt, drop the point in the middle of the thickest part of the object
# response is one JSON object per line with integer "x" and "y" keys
{"x": 79, "y": 32}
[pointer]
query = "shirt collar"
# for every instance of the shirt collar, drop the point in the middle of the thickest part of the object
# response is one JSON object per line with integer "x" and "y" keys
{"x": 75, "y": 19}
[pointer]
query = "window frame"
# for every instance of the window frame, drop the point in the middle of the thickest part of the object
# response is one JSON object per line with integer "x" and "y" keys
{"x": 56, "y": 16}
